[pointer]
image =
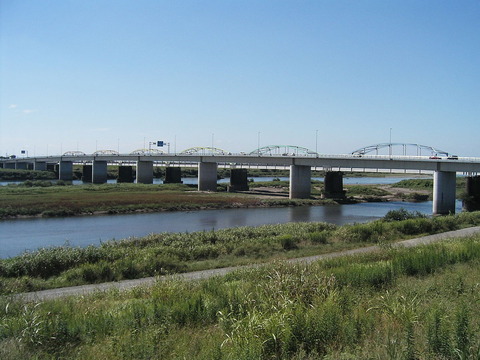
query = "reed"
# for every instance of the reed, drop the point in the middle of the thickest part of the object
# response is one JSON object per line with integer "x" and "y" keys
{"x": 168, "y": 253}
{"x": 332, "y": 310}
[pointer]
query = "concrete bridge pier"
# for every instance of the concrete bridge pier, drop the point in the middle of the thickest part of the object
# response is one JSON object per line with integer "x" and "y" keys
{"x": 238, "y": 180}
{"x": 207, "y": 176}
{"x": 99, "y": 172}
{"x": 65, "y": 170}
{"x": 40, "y": 165}
{"x": 472, "y": 202}
{"x": 87, "y": 171}
{"x": 21, "y": 166}
{"x": 125, "y": 174}
{"x": 300, "y": 182}
{"x": 173, "y": 175}
{"x": 333, "y": 184}
{"x": 144, "y": 172}
{"x": 444, "y": 188}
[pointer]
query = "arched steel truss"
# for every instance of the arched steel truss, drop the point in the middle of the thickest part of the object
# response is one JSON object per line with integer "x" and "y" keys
{"x": 74, "y": 153}
{"x": 105, "y": 152}
{"x": 283, "y": 150}
{"x": 147, "y": 152}
{"x": 199, "y": 150}
{"x": 427, "y": 150}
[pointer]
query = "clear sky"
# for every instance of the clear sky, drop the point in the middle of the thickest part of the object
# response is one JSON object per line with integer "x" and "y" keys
{"x": 116, "y": 74}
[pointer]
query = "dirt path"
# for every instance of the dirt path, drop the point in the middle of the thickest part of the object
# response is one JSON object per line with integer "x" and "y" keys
{"x": 205, "y": 274}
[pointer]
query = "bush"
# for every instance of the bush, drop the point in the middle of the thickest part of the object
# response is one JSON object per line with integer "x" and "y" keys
{"x": 288, "y": 242}
{"x": 402, "y": 214}
{"x": 319, "y": 237}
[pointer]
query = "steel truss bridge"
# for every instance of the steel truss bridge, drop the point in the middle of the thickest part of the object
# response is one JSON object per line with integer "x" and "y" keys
{"x": 403, "y": 149}
{"x": 299, "y": 160}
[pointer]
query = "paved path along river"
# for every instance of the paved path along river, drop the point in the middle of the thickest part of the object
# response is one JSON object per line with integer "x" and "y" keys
{"x": 197, "y": 275}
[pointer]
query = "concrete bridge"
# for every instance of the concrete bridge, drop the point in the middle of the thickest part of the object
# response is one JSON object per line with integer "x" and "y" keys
{"x": 444, "y": 169}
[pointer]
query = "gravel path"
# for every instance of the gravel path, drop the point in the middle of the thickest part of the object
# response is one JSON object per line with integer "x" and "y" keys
{"x": 204, "y": 274}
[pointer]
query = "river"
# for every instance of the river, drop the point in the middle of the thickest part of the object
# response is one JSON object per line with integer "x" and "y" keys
{"x": 17, "y": 236}
{"x": 346, "y": 180}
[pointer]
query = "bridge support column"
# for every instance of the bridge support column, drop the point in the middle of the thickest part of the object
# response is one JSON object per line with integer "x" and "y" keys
{"x": 87, "y": 171}
{"x": 40, "y": 165}
{"x": 65, "y": 170}
{"x": 444, "y": 192}
{"x": 173, "y": 175}
{"x": 125, "y": 174}
{"x": 144, "y": 172}
{"x": 300, "y": 182}
{"x": 21, "y": 165}
{"x": 238, "y": 180}
{"x": 333, "y": 185}
{"x": 472, "y": 202}
{"x": 99, "y": 172}
{"x": 207, "y": 176}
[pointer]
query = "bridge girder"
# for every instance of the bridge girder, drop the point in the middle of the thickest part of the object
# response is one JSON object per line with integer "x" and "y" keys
{"x": 283, "y": 150}
{"x": 371, "y": 148}
{"x": 105, "y": 152}
{"x": 147, "y": 152}
{"x": 74, "y": 153}
{"x": 201, "y": 150}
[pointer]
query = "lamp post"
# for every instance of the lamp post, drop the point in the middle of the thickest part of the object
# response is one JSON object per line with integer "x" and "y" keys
{"x": 316, "y": 143}
{"x": 258, "y": 143}
{"x": 390, "y": 146}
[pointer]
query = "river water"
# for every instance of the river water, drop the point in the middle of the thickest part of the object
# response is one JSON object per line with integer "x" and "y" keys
{"x": 194, "y": 180}
{"x": 17, "y": 236}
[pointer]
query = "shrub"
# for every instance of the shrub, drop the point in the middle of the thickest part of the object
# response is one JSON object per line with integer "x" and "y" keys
{"x": 288, "y": 242}
{"x": 402, "y": 214}
{"x": 319, "y": 237}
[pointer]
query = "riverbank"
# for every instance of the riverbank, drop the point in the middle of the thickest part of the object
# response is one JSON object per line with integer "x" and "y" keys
{"x": 123, "y": 285}
{"x": 423, "y": 301}
{"x": 46, "y": 200}
{"x": 61, "y": 201}
{"x": 165, "y": 253}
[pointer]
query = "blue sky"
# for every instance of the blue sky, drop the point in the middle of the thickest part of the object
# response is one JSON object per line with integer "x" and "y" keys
{"x": 115, "y": 74}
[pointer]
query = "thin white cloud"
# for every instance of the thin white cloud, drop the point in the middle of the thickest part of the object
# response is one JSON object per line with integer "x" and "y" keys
{"x": 28, "y": 111}
{"x": 13, "y": 106}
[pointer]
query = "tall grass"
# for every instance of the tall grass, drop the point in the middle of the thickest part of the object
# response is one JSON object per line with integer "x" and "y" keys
{"x": 346, "y": 308}
{"x": 168, "y": 253}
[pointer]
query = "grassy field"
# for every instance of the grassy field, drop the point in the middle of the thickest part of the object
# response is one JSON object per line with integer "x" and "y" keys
{"x": 57, "y": 200}
{"x": 420, "y": 303}
{"x": 169, "y": 253}
{"x": 45, "y": 198}
{"x": 12, "y": 174}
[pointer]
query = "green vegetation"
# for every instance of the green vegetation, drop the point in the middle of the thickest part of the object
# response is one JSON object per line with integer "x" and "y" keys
{"x": 427, "y": 184}
{"x": 47, "y": 199}
{"x": 365, "y": 191}
{"x": 166, "y": 253}
{"x": 26, "y": 200}
{"x": 419, "y": 184}
{"x": 10, "y": 174}
{"x": 420, "y": 303}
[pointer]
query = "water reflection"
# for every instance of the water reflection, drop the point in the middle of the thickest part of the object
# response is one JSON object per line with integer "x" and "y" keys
{"x": 19, "y": 235}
